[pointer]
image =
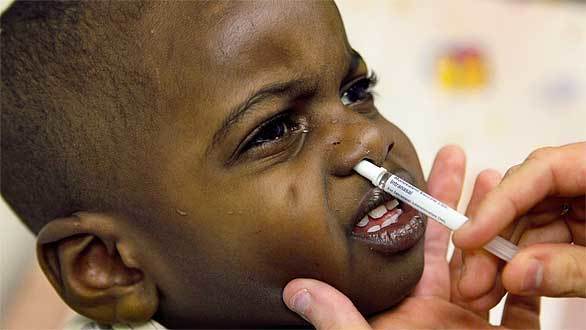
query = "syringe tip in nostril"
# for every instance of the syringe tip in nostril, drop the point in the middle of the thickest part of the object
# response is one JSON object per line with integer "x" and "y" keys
{"x": 369, "y": 170}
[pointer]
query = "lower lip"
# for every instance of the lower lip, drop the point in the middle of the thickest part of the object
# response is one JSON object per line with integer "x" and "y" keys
{"x": 400, "y": 236}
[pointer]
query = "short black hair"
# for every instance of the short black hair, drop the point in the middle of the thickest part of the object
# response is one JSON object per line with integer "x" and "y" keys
{"x": 74, "y": 92}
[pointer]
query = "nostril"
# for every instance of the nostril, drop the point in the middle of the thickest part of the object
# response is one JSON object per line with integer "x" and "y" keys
{"x": 389, "y": 150}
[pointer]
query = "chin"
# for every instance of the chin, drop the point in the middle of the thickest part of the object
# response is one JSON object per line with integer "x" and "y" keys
{"x": 372, "y": 307}
{"x": 372, "y": 310}
{"x": 386, "y": 296}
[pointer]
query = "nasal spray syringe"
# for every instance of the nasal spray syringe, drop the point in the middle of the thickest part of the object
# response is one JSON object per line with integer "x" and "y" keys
{"x": 428, "y": 205}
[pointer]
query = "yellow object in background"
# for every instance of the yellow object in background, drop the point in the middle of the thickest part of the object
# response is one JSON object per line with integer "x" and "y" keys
{"x": 462, "y": 68}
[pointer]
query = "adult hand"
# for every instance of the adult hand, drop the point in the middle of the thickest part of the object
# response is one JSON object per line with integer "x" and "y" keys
{"x": 541, "y": 200}
{"x": 429, "y": 306}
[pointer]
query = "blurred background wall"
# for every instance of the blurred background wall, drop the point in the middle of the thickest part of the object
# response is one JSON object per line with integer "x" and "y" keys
{"x": 498, "y": 77}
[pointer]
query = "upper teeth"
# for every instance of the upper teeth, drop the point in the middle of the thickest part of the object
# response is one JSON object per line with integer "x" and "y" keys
{"x": 363, "y": 222}
{"x": 391, "y": 204}
{"x": 378, "y": 212}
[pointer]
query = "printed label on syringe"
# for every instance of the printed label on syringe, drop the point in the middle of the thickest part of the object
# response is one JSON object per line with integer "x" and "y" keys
{"x": 403, "y": 185}
{"x": 424, "y": 203}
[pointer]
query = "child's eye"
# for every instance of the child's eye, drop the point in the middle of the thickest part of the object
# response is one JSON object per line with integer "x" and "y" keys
{"x": 359, "y": 90}
{"x": 272, "y": 131}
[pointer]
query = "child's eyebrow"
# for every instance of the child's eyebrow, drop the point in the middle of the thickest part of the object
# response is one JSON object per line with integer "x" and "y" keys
{"x": 278, "y": 89}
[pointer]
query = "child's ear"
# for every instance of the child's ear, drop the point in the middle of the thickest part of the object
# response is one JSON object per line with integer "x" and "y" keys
{"x": 94, "y": 269}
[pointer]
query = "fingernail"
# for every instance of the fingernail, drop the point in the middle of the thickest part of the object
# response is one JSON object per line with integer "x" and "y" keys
{"x": 300, "y": 301}
{"x": 533, "y": 276}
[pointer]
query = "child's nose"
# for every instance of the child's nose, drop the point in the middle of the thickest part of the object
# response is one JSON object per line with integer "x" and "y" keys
{"x": 358, "y": 141}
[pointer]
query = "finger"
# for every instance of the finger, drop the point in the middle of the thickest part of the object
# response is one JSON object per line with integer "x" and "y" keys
{"x": 521, "y": 312}
{"x": 479, "y": 276}
{"x": 479, "y": 298}
{"x": 553, "y": 232}
{"x": 486, "y": 181}
{"x": 578, "y": 208}
{"x": 445, "y": 183}
{"x": 483, "y": 304}
{"x": 553, "y": 270}
{"x": 428, "y": 313}
{"x": 557, "y": 171}
{"x": 548, "y": 211}
{"x": 456, "y": 268}
{"x": 554, "y": 204}
{"x": 477, "y": 288}
{"x": 479, "y": 268}
{"x": 456, "y": 297}
{"x": 576, "y": 220}
{"x": 322, "y": 305}
{"x": 578, "y": 230}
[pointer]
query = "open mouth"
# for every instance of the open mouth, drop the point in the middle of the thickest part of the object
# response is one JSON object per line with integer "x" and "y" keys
{"x": 386, "y": 224}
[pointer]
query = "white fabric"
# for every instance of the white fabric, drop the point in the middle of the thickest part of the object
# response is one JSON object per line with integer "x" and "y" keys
{"x": 5, "y": 4}
{"x": 83, "y": 323}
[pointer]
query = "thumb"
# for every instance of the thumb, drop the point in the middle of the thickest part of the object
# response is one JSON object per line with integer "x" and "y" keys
{"x": 322, "y": 305}
{"x": 553, "y": 270}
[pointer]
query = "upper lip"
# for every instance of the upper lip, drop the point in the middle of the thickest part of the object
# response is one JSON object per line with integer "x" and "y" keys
{"x": 376, "y": 196}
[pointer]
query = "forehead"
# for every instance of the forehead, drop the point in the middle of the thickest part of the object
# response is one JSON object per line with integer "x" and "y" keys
{"x": 208, "y": 53}
{"x": 248, "y": 32}
{"x": 275, "y": 33}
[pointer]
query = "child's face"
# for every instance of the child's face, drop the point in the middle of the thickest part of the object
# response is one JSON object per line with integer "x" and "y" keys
{"x": 251, "y": 193}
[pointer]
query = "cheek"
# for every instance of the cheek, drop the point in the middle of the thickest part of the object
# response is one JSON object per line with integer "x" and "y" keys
{"x": 296, "y": 234}
{"x": 271, "y": 232}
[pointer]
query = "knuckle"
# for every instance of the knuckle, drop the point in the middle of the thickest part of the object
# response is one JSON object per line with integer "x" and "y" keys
{"x": 569, "y": 279}
{"x": 512, "y": 170}
{"x": 541, "y": 153}
{"x": 578, "y": 275}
